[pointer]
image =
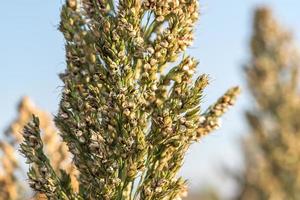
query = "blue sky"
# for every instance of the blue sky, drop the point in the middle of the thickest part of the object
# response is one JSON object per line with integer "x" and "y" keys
{"x": 32, "y": 54}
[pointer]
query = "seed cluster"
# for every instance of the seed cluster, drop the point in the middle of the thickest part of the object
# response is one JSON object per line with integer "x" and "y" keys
{"x": 130, "y": 108}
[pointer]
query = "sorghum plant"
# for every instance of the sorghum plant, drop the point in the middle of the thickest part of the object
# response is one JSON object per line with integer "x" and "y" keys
{"x": 129, "y": 109}
{"x": 272, "y": 151}
{"x": 11, "y": 185}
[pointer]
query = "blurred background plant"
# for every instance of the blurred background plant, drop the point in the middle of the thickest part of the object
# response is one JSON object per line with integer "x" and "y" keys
{"x": 204, "y": 194}
{"x": 272, "y": 150}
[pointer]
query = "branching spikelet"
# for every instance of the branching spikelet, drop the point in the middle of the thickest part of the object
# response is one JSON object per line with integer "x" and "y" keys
{"x": 272, "y": 151}
{"x": 129, "y": 112}
{"x": 11, "y": 185}
{"x": 210, "y": 119}
{"x": 42, "y": 176}
{"x": 54, "y": 148}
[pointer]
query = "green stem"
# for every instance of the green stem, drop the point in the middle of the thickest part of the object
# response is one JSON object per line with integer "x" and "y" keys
{"x": 141, "y": 181}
